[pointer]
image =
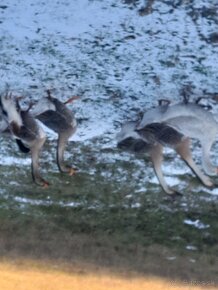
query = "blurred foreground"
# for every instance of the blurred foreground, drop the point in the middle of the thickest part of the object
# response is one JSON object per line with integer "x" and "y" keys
{"x": 31, "y": 276}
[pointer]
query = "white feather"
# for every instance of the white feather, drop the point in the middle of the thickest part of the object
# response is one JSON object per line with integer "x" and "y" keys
{"x": 11, "y": 110}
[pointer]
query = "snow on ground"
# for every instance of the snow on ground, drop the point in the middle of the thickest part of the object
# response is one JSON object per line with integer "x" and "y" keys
{"x": 197, "y": 224}
{"x": 9, "y": 161}
{"x": 105, "y": 52}
{"x": 119, "y": 62}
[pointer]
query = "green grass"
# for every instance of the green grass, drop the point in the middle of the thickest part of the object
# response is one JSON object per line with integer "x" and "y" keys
{"x": 104, "y": 227}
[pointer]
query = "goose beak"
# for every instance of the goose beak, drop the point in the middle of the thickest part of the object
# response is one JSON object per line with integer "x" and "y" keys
{"x": 70, "y": 100}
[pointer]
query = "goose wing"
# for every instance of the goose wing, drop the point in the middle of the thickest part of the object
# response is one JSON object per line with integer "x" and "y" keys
{"x": 63, "y": 111}
{"x": 28, "y": 131}
{"x": 53, "y": 120}
{"x": 162, "y": 133}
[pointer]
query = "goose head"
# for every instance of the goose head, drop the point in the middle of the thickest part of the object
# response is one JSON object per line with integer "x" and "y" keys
{"x": 129, "y": 140}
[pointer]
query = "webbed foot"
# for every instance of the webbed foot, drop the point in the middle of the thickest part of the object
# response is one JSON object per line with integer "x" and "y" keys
{"x": 72, "y": 171}
{"x": 45, "y": 184}
{"x": 173, "y": 195}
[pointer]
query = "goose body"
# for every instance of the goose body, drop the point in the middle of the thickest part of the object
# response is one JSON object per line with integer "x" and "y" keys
{"x": 172, "y": 126}
{"x": 170, "y": 112}
{"x": 192, "y": 121}
{"x": 55, "y": 115}
{"x": 24, "y": 128}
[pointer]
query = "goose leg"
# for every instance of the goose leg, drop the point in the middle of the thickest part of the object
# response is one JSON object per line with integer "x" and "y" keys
{"x": 184, "y": 151}
{"x": 209, "y": 168}
{"x": 62, "y": 141}
{"x": 35, "y": 150}
{"x": 157, "y": 158}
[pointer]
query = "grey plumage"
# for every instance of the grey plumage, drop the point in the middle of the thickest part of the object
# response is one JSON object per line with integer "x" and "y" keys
{"x": 24, "y": 128}
{"x": 55, "y": 115}
{"x": 173, "y": 126}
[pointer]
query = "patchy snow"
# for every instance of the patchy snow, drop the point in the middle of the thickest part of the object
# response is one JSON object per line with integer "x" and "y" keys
{"x": 171, "y": 181}
{"x": 191, "y": 248}
{"x": 105, "y": 51}
{"x": 197, "y": 224}
{"x": 23, "y": 200}
{"x": 10, "y": 161}
{"x": 171, "y": 258}
{"x": 174, "y": 168}
{"x": 213, "y": 191}
{"x": 39, "y": 202}
{"x": 119, "y": 62}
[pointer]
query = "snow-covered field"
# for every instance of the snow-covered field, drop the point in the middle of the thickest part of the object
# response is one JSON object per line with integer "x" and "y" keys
{"x": 117, "y": 60}
{"x": 120, "y": 61}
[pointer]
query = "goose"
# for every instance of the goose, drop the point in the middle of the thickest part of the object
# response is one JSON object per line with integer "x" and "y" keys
{"x": 173, "y": 125}
{"x": 193, "y": 121}
{"x": 27, "y": 133}
{"x": 55, "y": 115}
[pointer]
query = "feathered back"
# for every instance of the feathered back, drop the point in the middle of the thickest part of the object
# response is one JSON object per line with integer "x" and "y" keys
{"x": 172, "y": 113}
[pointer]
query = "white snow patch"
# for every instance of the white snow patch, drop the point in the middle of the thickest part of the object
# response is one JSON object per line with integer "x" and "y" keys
{"x": 197, "y": 224}
{"x": 38, "y": 202}
{"x": 171, "y": 181}
{"x": 191, "y": 248}
{"x": 9, "y": 161}
{"x": 136, "y": 205}
{"x": 173, "y": 168}
{"x": 172, "y": 258}
{"x": 212, "y": 191}
{"x": 32, "y": 201}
